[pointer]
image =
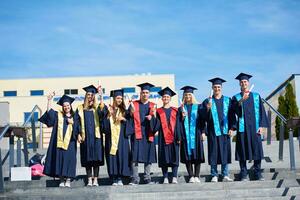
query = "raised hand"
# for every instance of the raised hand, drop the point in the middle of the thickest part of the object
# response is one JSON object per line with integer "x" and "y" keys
{"x": 51, "y": 95}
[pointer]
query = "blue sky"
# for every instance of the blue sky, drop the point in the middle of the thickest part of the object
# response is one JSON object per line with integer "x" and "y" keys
{"x": 195, "y": 40}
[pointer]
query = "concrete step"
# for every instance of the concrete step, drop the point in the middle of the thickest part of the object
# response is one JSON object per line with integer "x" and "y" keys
{"x": 114, "y": 193}
{"x": 80, "y": 181}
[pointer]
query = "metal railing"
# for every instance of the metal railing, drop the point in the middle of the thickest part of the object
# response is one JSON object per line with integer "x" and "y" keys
{"x": 30, "y": 119}
{"x": 10, "y": 152}
{"x": 6, "y": 128}
{"x": 283, "y": 122}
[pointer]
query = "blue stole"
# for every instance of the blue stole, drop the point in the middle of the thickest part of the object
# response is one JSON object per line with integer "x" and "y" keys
{"x": 256, "y": 111}
{"x": 190, "y": 128}
{"x": 215, "y": 117}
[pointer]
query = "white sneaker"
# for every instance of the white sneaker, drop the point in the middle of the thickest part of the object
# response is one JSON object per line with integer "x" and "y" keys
{"x": 68, "y": 183}
{"x": 197, "y": 180}
{"x": 90, "y": 182}
{"x": 192, "y": 180}
{"x": 227, "y": 179}
{"x": 62, "y": 184}
{"x": 166, "y": 181}
{"x": 120, "y": 183}
{"x": 95, "y": 182}
{"x": 174, "y": 180}
{"x": 214, "y": 179}
{"x": 114, "y": 184}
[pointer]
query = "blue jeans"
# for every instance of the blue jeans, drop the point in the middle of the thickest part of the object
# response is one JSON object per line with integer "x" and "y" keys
{"x": 214, "y": 170}
{"x": 174, "y": 171}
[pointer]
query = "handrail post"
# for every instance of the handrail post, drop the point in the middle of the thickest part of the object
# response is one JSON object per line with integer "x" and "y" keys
{"x": 25, "y": 150}
{"x": 1, "y": 175}
{"x": 18, "y": 152}
{"x": 299, "y": 137}
{"x": 41, "y": 137}
{"x": 11, "y": 153}
{"x": 33, "y": 133}
{"x": 269, "y": 134}
{"x": 281, "y": 141}
{"x": 292, "y": 153}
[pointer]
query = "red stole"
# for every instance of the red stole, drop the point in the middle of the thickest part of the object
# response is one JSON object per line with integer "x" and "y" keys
{"x": 137, "y": 121}
{"x": 168, "y": 128}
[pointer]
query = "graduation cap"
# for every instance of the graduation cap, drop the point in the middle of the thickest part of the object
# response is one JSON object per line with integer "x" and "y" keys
{"x": 65, "y": 98}
{"x": 167, "y": 91}
{"x": 115, "y": 93}
{"x": 243, "y": 76}
{"x": 145, "y": 86}
{"x": 217, "y": 81}
{"x": 188, "y": 89}
{"x": 91, "y": 89}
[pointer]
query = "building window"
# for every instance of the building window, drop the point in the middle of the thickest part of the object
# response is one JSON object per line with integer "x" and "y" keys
{"x": 129, "y": 90}
{"x": 155, "y": 89}
{"x": 10, "y": 93}
{"x": 36, "y": 92}
{"x": 74, "y": 91}
{"x": 35, "y": 115}
{"x": 71, "y": 91}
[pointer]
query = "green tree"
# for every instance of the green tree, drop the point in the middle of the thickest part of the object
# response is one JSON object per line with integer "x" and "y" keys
{"x": 291, "y": 104}
{"x": 282, "y": 110}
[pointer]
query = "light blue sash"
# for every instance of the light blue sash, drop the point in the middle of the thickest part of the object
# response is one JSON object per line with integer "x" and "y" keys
{"x": 256, "y": 111}
{"x": 190, "y": 128}
{"x": 215, "y": 117}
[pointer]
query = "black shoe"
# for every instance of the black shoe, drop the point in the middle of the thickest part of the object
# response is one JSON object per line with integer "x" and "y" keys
{"x": 244, "y": 178}
{"x": 134, "y": 182}
{"x": 259, "y": 178}
{"x": 149, "y": 182}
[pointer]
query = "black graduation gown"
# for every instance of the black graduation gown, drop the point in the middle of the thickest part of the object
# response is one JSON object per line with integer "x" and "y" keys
{"x": 91, "y": 149}
{"x": 143, "y": 151}
{"x": 168, "y": 154}
{"x": 119, "y": 164}
{"x": 249, "y": 143}
{"x": 219, "y": 147}
{"x": 197, "y": 153}
{"x": 59, "y": 162}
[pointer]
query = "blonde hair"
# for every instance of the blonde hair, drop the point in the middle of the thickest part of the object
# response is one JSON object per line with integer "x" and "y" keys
{"x": 86, "y": 105}
{"x": 194, "y": 100}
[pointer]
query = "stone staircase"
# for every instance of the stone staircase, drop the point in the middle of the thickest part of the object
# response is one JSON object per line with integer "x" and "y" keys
{"x": 280, "y": 183}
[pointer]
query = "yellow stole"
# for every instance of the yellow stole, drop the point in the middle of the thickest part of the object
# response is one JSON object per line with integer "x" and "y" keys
{"x": 63, "y": 142}
{"x": 115, "y": 128}
{"x": 96, "y": 120}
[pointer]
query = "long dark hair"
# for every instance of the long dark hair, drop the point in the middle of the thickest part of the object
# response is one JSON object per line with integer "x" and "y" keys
{"x": 122, "y": 108}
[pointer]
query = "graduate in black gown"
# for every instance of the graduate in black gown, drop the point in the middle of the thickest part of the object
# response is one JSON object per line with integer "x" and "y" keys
{"x": 221, "y": 123}
{"x": 61, "y": 154}
{"x": 142, "y": 138}
{"x": 166, "y": 122}
{"x": 252, "y": 118}
{"x": 117, "y": 149}
{"x": 89, "y": 135}
{"x": 192, "y": 134}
